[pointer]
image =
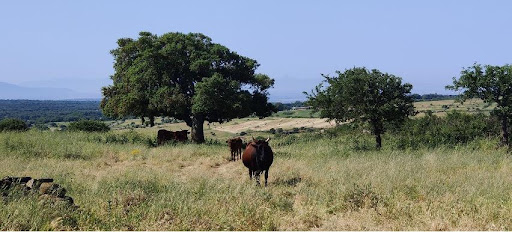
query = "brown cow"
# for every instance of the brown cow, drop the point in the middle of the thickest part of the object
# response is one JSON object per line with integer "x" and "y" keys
{"x": 165, "y": 135}
{"x": 258, "y": 157}
{"x": 235, "y": 145}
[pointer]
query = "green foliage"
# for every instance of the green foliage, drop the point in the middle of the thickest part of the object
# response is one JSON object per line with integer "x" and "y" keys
{"x": 492, "y": 84}
{"x": 454, "y": 129}
{"x": 13, "y": 124}
{"x": 88, "y": 126}
{"x": 187, "y": 77}
{"x": 41, "y": 127}
{"x": 130, "y": 136}
{"x": 361, "y": 95}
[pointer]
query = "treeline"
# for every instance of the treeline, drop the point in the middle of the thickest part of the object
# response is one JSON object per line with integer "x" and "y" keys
{"x": 417, "y": 97}
{"x": 36, "y": 112}
{"x": 432, "y": 97}
{"x": 288, "y": 106}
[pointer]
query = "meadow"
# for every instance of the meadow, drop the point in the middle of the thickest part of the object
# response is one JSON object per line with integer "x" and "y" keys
{"x": 319, "y": 181}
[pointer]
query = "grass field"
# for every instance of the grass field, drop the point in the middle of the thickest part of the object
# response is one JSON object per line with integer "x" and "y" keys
{"x": 441, "y": 107}
{"x": 316, "y": 183}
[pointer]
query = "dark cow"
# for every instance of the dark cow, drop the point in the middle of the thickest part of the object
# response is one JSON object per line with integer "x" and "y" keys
{"x": 235, "y": 145}
{"x": 258, "y": 157}
{"x": 165, "y": 135}
{"x": 181, "y": 136}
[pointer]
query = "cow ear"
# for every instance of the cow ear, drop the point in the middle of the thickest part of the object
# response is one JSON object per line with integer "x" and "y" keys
{"x": 268, "y": 139}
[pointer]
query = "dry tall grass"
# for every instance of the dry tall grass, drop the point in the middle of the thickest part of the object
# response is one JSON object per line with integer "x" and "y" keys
{"x": 314, "y": 184}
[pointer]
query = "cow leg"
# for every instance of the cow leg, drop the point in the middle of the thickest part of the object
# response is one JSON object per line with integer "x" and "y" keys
{"x": 250, "y": 174}
{"x": 257, "y": 176}
{"x": 266, "y": 177}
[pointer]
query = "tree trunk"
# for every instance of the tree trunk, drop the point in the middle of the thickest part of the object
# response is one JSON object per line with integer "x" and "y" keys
{"x": 197, "y": 133}
{"x": 504, "y": 131}
{"x": 378, "y": 141}
{"x": 142, "y": 120}
{"x": 152, "y": 121}
{"x": 377, "y": 130}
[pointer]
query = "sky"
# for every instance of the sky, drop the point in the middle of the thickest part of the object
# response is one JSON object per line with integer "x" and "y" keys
{"x": 66, "y": 44}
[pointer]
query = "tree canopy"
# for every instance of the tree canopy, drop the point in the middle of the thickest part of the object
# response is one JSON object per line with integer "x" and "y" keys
{"x": 185, "y": 76}
{"x": 492, "y": 84}
{"x": 364, "y": 96}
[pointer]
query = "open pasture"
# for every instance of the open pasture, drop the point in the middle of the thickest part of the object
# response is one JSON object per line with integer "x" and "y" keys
{"x": 317, "y": 182}
{"x": 441, "y": 107}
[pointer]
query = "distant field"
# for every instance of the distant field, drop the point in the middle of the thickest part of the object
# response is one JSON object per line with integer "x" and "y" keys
{"x": 441, "y": 107}
{"x": 296, "y": 114}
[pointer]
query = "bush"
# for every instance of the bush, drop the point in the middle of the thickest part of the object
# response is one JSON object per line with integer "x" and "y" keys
{"x": 12, "y": 124}
{"x": 41, "y": 127}
{"x": 455, "y": 128}
{"x": 88, "y": 126}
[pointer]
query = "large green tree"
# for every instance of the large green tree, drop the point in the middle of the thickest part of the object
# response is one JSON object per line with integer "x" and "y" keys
{"x": 185, "y": 76}
{"x": 364, "y": 96}
{"x": 492, "y": 84}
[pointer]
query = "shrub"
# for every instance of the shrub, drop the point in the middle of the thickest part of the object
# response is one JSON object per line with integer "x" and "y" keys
{"x": 13, "y": 124}
{"x": 41, "y": 127}
{"x": 88, "y": 126}
{"x": 455, "y": 128}
{"x": 272, "y": 131}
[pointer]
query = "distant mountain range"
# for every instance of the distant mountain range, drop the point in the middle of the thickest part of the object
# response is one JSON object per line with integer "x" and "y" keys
{"x": 11, "y": 91}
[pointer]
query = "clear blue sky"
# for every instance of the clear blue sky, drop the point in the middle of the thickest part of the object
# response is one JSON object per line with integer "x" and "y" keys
{"x": 67, "y": 43}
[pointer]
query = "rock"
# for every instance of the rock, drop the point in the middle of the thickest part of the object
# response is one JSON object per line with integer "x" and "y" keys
{"x": 52, "y": 189}
{"x": 44, "y": 187}
{"x": 30, "y": 183}
{"x": 21, "y": 180}
{"x": 5, "y": 184}
{"x": 34, "y": 184}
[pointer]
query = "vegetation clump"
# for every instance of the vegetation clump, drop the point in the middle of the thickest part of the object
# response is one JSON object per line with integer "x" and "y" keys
{"x": 365, "y": 96}
{"x": 186, "y": 77}
{"x": 492, "y": 84}
{"x": 88, "y": 126}
{"x": 13, "y": 124}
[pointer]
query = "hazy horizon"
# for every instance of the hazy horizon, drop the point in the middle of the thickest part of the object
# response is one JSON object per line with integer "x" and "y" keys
{"x": 63, "y": 44}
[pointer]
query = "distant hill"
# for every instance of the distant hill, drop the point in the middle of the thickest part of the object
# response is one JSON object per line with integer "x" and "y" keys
{"x": 10, "y": 91}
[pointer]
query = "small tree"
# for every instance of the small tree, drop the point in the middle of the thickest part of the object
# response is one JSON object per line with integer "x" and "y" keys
{"x": 492, "y": 84}
{"x": 88, "y": 126}
{"x": 364, "y": 96}
{"x": 13, "y": 124}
